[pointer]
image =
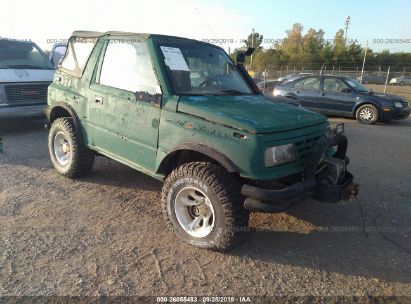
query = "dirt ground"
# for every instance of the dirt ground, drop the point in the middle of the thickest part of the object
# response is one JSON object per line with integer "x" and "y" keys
{"x": 104, "y": 234}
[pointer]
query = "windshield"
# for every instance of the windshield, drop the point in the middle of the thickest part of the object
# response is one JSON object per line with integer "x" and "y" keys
{"x": 356, "y": 85}
{"x": 22, "y": 55}
{"x": 198, "y": 69}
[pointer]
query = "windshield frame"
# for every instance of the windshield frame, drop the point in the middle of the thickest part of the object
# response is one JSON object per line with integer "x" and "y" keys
{"x": 28, "y": 67}
{"x": 172, "y": 42}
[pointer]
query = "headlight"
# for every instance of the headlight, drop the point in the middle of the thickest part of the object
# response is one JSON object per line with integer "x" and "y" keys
{"x": 279, "y": 155}
{"x": 398, "y": 104}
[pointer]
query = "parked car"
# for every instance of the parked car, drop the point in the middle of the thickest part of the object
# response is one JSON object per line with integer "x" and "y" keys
{"x": 25, "y": 73}
{"x": 257, "y": 80}
{"x": 369, "y": 79}
{"x": 292, "y": 77}
{"x": 218, "y": 145}
{"x": 267, "y": 86}
{"x": 402, "y": 80}
{"x": 344, "y": 96}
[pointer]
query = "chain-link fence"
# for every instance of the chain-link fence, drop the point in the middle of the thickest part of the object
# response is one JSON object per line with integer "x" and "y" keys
{"x": 380, "y": 79}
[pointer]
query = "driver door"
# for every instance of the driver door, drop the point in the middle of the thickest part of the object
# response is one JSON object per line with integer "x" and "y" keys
{"x": 336, "y": 97}
{"x": 124, "y": 104}
{"x": 307, "y": 91}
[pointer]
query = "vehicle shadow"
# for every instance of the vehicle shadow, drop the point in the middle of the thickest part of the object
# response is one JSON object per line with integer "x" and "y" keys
{"x": 18, "y": 126}
{"x": 111, "y": 173}
{"x": 398, "y": 123}
{"x": 311, "y": 235}
{"x": 392, "y": 123}
{"x": 330, "y": 238}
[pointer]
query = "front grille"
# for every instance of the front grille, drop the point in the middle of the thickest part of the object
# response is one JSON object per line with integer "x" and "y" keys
{"x": 26, "y": 93}
{"x": 304, "y": 148}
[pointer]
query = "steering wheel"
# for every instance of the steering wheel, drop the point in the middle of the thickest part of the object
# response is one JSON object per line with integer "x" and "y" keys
{"x": 211, "y": 82}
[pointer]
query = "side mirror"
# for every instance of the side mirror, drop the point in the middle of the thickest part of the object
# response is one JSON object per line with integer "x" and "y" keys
{"x": 241, "y": 55}
{"x": 346, "y": 90}
{"x": 57, "y": 53}
{"x": 240, "y": 58}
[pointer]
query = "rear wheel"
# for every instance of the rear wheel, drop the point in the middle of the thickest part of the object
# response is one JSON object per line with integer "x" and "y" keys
{"x": 67, "y": 153}
{"x": 203, "y": 205}
{"x": 367, "y": 114}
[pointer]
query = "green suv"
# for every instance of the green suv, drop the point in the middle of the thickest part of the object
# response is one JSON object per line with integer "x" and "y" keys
{"x": 182, "y": 112}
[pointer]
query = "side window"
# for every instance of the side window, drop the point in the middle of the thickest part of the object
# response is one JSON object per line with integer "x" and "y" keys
{"x": 127, "y": 66}
{"x": 311, "y": 83}
{"x": 78, "y": 52}
{"x": 299, "y": 85}
{"x": 333, "y": 85}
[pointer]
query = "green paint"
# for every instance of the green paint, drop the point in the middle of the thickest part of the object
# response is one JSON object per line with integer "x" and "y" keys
{"x": 140, "y": 133}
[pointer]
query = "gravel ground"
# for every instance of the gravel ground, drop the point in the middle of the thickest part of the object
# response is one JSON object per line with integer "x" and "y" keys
{"x": 104, "y": 234}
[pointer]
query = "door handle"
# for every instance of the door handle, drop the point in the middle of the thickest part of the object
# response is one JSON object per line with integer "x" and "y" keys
{"x": 298, "y": 92}
{"x": 98, "y": 99}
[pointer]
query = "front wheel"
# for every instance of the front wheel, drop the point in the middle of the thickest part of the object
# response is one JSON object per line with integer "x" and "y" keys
{"x": 67, "y": 152}
{"x": 367, "y": 114}
{"x": 203, "y": 205}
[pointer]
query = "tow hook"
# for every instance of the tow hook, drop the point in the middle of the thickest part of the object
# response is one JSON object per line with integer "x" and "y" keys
{"x": 351, "y": 192}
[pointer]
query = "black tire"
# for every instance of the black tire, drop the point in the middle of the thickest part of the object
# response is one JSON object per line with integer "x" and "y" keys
{"x": 223, "y": 191}
{"x": 367, "y": 114}
{"x": 80, "y": 159}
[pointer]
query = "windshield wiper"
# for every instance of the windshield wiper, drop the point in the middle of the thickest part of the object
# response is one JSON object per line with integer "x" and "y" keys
{"x": 28, "y": 66}
{"x": 224, "y": 92}
{"x": 232, "y": 92}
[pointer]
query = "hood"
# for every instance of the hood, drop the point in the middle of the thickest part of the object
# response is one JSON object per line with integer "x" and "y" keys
{"x": 253, "y": 113}
{"x": 26, "y": 75}
{"x": 383, "y": 96}
{"x": 387, "y": 96}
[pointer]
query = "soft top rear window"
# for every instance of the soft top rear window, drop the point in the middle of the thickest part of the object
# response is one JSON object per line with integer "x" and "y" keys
{"x": 77, "y": 54}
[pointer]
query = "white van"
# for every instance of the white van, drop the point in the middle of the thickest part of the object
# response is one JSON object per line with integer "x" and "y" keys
{"x": 25, "y": 74}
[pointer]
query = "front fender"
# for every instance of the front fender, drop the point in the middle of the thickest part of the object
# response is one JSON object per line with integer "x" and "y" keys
{"x": 209, "y": 152}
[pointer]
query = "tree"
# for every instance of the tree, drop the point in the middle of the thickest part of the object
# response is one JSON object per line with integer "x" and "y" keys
{"x": 339, "y": 54}
{"x": 292, "y": 45}
{"x": 254, "y": 42}
{"x": 310, "y": 49}
{"x": 312, "y": 45}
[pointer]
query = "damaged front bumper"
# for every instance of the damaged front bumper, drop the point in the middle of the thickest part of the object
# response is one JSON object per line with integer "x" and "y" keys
{"x": 325, "y": 179}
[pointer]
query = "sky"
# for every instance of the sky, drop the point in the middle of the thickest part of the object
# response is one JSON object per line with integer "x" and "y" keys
{"x": 383, "y": 24}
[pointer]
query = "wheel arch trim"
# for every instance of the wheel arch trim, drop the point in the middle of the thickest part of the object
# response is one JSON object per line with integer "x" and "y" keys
{"x": 51, "y": 112}
{"x": 205, "y": 150}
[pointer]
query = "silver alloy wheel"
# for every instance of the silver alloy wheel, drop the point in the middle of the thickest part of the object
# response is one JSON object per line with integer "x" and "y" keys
{"x": 194, "y": 212}
{"x": 367, "y": 114}
{"x": 62, "y": 148}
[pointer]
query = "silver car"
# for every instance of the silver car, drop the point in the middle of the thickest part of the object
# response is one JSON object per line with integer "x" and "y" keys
{"x": 25, "y": 73}
{"x": 402, "y": 80}
{"x": 292, "y": 77}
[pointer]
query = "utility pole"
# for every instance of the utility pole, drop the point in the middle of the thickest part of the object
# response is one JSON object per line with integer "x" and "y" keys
{"x": 252, "y": 45}
{"x": 386, "y": 79}
{"x": 347, "y": 24}
{"x": 363, "y": 63}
